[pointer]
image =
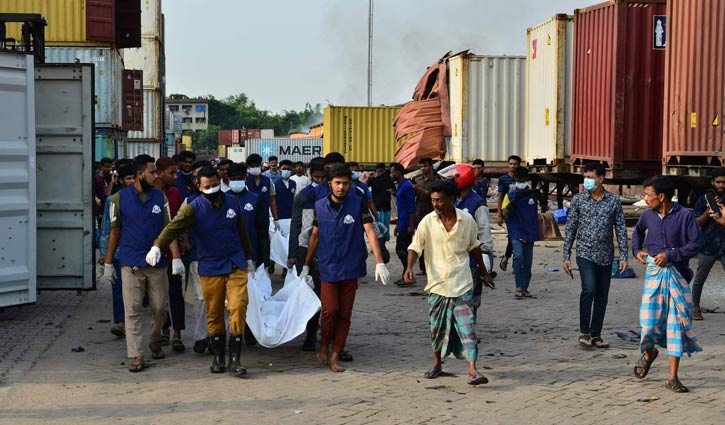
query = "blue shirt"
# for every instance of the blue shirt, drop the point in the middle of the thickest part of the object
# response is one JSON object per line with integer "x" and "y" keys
{"x": 405, "y": 200}
{"x": 713, "y": 233}
{"x": 273, "y": 176}
{"x": 364, "y": 190}
{"x": 523, "y": 217}
{"x": 481, "y": 188}
{"x": 184, "y": 184}
{"x": 506, "y": 183}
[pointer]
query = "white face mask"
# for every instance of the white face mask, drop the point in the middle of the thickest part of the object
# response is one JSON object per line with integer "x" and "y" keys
{"x": 522, "y": 185}
{"x": 286, "y": 174}
{"x": 211, "y": 190}
{"x": 237, "y": 186}
{"x": 255, "y": 171}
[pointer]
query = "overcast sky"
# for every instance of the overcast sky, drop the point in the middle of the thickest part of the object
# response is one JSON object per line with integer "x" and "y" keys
{"x": 286, "y": 53}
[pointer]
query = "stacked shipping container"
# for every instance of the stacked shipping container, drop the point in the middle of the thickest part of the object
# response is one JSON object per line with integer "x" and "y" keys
{"x": 361, "y": 134}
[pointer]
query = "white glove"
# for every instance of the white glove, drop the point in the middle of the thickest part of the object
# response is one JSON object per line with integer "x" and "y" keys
{"x": 177, "y": 266}
{"x": 251, "y": 268}
{"x": 109, "y": 272}
{"x": 154, "y": 256}
{"x": 276, "y": 226}
{"x": 305, "y": 272}
{"x": 382, "y": 274}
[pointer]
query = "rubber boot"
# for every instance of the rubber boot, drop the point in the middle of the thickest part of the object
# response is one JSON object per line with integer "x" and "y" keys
{"x": 218, "y": 341}
{"x": 235, "y": 350}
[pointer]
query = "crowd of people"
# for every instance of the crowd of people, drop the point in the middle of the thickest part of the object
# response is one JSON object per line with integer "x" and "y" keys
{"x": 179, "y": 230}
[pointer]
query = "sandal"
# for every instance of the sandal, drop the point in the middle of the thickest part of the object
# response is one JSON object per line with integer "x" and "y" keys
{"x": 433, "y": 373}
{"x": 477, "y": 379}
{"x": 697, "y": 313}
{"x": 585, "y": 340}
{"x": 177, "y": 345}
{"x": 676, "y": 386}
{"x": 599, "y": 342}
{"x": 137, "y": 367}
{"x": 644, "y": 364}
{"x": 156, "y": 352}
{"x": 519, "y": 293}
{"x": 503, "y": 265}
{"x": 527, "y": 294}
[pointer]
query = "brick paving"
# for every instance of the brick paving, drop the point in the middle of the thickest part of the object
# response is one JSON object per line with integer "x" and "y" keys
{"x": 528, "y": 350}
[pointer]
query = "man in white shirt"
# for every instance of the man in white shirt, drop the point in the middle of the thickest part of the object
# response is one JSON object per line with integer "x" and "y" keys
{"x": 300, "y": 177}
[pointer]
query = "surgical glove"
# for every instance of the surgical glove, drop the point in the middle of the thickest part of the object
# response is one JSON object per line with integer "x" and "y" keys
{"x": 382, "y": 274}
{"x": 109, "y": 272}
{"x": 154, "y": 256}
{"x": 250, "y": 267}
{"x": 276, "y": 226}
{"x": 305, "y": 272}
{"x": 177, "y": 267}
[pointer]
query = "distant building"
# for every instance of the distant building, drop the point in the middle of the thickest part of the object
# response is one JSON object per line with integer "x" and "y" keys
{"x": 186, "y": 115}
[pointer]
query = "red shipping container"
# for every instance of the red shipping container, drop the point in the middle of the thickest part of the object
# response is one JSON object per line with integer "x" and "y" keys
{"x": 618, "y": 87}
{"x": 228, "y": 137}
{"x": 132, "y": 100}
{"x": 694, "y": 87}
{"x": 117, "y": 22}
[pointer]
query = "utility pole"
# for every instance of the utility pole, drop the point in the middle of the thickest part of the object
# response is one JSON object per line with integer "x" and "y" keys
{"x": 370, "y": 54}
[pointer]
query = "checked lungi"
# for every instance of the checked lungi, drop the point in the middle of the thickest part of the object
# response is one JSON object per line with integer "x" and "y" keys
{"x": 453, "y": 325}
{"x": 665, "y": 314}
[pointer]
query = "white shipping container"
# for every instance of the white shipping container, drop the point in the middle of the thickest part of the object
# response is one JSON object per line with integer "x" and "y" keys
{"x": 134, "y": 149}
{"x": 17, "y": 180}
{"x": 549, "y": 66}
{"x": 487, "y": 107}
{"x": 267, "y": 133}
{"x": 293, "y": 149}
{"x": 152, "y": 115}
{"x": 237, "y": 153}
{"x": 151, "y": 21}
{"x": 108, "y": 79}
{"x": 148, "y": 58}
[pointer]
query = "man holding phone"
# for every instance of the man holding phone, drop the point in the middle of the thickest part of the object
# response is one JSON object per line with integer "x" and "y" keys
{"x": 714, "y": 234}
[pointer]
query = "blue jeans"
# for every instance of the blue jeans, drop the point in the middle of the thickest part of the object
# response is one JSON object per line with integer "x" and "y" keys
{"x": 384, "y": 217}
{"x": 117, "y": 293}
{"x": 523, "y": 259}
{"x": 595, "y": 290}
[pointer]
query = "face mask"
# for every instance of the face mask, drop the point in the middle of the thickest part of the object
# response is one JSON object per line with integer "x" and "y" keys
{"x": 286, "y": 174}
{"x": 145, "y": 185}
{"x": 211, "y": 192}
{"x": 522, "y": 185}
{"x": 589, "y": 184}
{"x": 237, "y": 186}
{"x": 255, "y": 171}
{"x": 355, "y": 175}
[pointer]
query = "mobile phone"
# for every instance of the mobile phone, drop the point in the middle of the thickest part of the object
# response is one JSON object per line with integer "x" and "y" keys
{"x": 710, "y": 199}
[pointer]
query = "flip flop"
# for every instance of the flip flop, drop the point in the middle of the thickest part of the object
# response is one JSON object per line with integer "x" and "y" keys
{"x": 135, "y": 368}
{"x": 402, "y": 283}
{"x": 585, "y": 340}
{"x": 477, "y": 379}
{"x": 598, "y": 342}
{"x": 433, "y": 373}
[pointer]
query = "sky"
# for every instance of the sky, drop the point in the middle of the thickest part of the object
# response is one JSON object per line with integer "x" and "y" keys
{"x": 284, "y": 54}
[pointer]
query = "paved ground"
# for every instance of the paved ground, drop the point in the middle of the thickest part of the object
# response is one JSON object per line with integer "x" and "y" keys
{"x": 528, "y": 350}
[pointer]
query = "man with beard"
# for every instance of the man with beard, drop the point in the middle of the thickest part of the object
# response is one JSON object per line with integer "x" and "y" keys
{"x": 185, "y": 181}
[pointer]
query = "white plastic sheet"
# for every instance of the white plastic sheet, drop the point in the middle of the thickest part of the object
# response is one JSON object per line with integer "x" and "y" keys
{"x": 279, "y": 248}
{"x": 279, "y": 318}
{"x": 284, "y": 226}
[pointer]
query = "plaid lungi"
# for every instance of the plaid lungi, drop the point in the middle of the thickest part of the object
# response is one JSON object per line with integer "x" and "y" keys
{"x": 666, "y": 312}
{"x": 453, "y": 325}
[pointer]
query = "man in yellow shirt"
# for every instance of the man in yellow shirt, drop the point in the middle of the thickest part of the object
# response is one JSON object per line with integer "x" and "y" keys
{"x": 447, "y": 236}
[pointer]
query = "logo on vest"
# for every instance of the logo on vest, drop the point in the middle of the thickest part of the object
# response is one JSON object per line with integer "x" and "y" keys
{"x": 231, "y": 213}
{"x": 248, "y": 207}
{"x": 531, "y": 201}
{"x": 156, "y": 209}
{"x": 348, "y": 219}
{"x": 264, "y": 189}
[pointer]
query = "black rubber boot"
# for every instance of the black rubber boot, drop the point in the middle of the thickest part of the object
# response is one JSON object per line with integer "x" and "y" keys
{"x": 235, "y": 350}
{"x": 218, "y": 341}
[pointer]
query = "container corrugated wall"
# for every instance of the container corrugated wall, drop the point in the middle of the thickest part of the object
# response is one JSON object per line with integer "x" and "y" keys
{"x": 293, "y": 149}
{"x": 694, "y": 86}
{"x": 108, "y": 79}
{"x": 360, "y": 133}
{"x": 618, "y": 88}
{"x": 151, "y": 18}
{"x": 549, "y": 72}
{"x": 153, "y": 104}
{"x": 66, "y": 20}
{"x": 136, "y": 148}
{"x": 147, "y": 58}
{"x": 487, "y": 101}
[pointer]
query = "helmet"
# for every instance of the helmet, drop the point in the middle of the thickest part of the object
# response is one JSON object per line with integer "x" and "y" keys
{"x": 463, "y": 174}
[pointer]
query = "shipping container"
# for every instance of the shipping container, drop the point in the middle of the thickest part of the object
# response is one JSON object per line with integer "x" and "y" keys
{"x": 64, "y": 148}
{"x": 108, "y": 79}
{"x": 153, "y": 112}
{"x": 109, "y": 143}
{"x": 487, "y": 96}
{"x": 694, "y": 87}
{"x": 17, "y": 181}
{"x": 549, "y": 72}
{"x": 222, "y": 151}
{"x": 293, "y": 149}
{"x": 133, "y": 100}
{"x": 360, "y": 133}
{"x": 267, "y": 133}
{"x": 135, "y": 148}
{"x": 236, "y": 153}
{"x": 151, "y": 19}
{"x": 618, "y": 87}
{"x": 186, "y": 140}
{"x": 117, "y": 22}
{"x": 246, "y": 134}
{"x": 228, "y": 137}
{"x": 149, "y": 58}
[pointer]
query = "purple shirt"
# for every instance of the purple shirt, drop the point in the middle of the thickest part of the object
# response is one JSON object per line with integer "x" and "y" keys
{"x": 677, "y": 235}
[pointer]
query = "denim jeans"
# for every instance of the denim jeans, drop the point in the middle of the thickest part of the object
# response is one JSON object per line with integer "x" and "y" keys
{"x": 523, "y": 258}
{"x": 384, "y": 217}
{"x": 704, "y": 265}
{"x": 595, "y": 290}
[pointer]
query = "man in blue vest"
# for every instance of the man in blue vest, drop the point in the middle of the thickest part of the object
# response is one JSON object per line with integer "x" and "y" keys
{"x": 184, "y": 178}
{"x": 265, "y": 189}
{"x": 338, "y": 239}
{"x": 285, "y": 190}
{"x": 138, "y": 213}
{"x": 253, "y": 216}
{"x": 215, "y": 220}
{"x": 520, "y": 209}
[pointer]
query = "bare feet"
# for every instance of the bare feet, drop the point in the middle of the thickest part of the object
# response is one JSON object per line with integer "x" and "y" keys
{"x": 322, "y": 355}
{"x": 335, "y": 365}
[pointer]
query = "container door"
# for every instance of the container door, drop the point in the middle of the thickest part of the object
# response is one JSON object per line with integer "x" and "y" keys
{"x": 64, "y": 146}
{"x": 17, "y": 180}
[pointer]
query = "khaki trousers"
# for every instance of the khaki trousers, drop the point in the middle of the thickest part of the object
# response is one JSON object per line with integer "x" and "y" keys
{"x": 233, "y": 287}
{"x": 135, "y": 283}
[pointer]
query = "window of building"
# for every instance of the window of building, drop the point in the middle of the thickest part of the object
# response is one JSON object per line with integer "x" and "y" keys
{"x": 186, "y": 120}
{"x": 174, "y": 108}
{"x": 201, "y": 120}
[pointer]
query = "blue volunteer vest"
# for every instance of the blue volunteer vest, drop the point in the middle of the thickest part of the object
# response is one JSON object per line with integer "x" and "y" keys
{"x": 192, "y": 241}
{"x": 470, "y": 204}
{"x": 341, "y": 252}
{"x": 250, "y": 208}
{"x": 262, "y": 190}
{"x": 523, "y": 219}
{"x": 215, "y": 233}
{"x": 285, "y": 197}
{"x": 141, "y": 224}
